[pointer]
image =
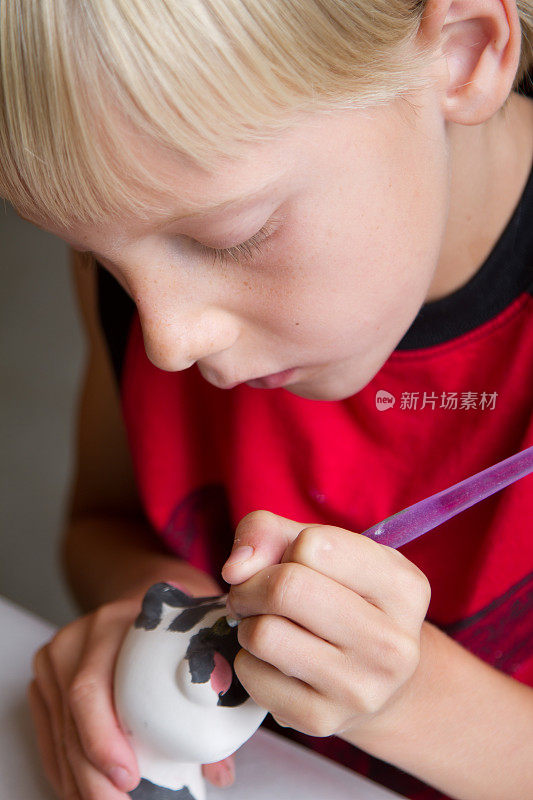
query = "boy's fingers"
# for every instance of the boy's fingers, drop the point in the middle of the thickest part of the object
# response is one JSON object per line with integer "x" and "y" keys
{"x": 90, "y": 701}
{"x": 261, "y": 539}
{"x": 45, "y": 736}
{"x": 221, "y": 773}
{"x": 380, "y": 574}
{"x": 308, "y": 598}
{"x": 50, "y": 693}
{"x": 90, "y": 781}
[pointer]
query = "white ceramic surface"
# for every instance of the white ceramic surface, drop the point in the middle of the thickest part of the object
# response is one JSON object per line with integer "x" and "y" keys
{"x": 176, "y": 693}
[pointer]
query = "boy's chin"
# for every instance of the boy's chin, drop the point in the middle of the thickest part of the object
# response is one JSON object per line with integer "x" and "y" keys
{"x": 322, "y": 390}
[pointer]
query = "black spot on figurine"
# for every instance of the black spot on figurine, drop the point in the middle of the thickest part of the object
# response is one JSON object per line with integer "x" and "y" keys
{"x": 204, "y": 644}
{"x": 192, "y": 616}
{"x": 219, "y": 638}
{"x": 152, "y": 605}
{"x": 147, "y": 790}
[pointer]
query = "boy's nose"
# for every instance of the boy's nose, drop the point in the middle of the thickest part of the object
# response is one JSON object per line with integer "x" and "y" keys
{"x": 175, "y": 341}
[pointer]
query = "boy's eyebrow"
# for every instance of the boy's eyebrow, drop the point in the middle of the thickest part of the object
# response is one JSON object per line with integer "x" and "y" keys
{"x": 211, "y": 208}
{"x": 201, "y": 210}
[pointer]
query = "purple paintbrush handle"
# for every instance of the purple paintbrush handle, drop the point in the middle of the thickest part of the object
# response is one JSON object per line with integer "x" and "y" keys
{"x": 415, "y": 520}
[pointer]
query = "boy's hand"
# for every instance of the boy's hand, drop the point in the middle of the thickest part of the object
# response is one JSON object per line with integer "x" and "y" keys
{"x": 332, "y": 620}
{"x": 78, "y": 733}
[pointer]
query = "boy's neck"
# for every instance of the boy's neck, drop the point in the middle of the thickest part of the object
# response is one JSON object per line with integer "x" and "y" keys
{"x": 490, "y": 165}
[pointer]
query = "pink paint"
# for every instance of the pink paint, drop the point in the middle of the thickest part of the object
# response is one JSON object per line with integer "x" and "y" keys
{"x": 222, "y": 675}
{"x": 175, "y": 585}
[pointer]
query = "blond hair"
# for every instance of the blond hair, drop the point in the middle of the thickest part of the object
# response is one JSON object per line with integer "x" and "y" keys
{"x": 198, "y": 77}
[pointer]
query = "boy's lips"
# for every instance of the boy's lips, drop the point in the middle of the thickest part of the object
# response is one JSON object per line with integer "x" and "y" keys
{"x": 273, "y": 381}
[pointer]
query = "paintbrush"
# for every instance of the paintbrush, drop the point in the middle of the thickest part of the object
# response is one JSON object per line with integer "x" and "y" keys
{"x": 421, "y": 517}
{"x": 413, "y": 521}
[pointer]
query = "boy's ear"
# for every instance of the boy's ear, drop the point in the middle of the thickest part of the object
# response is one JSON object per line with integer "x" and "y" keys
{"x": 479, "y": 42}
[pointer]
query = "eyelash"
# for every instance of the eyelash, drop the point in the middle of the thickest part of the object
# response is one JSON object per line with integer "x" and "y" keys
{"x": 244, "y": 250}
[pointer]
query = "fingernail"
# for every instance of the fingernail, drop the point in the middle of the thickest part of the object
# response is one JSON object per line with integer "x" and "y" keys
{"x": 239, "y": 555}
{"x": 121, "y": 778}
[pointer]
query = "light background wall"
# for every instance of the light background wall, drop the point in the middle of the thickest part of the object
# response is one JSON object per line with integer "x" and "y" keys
{"x": 42, "y": 352}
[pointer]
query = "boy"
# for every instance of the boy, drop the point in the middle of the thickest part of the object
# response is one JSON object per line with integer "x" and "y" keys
{"x": 377, "y": 256}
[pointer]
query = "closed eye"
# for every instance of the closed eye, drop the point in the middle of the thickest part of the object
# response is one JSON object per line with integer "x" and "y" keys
{"x": 246, "y": 250}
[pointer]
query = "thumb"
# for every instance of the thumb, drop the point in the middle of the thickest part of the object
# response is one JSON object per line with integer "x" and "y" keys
{"x": 261, "y": 539}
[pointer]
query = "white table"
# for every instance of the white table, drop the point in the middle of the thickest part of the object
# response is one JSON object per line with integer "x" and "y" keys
{"x": 267, "y": 766}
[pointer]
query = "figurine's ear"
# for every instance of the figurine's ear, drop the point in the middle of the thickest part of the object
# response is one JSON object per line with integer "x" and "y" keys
{"x": 478, "y": 42}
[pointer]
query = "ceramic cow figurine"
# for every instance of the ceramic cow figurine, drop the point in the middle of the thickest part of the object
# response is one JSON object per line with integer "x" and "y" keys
{"x": 177, "y": 696}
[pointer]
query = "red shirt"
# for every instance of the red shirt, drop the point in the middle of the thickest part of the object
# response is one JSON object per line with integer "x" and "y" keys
{"x": 455, "y": 397}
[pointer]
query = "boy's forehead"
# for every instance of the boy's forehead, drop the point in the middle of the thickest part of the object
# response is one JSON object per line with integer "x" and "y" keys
{"x": 259, "y": 165}
{"x": 264, "y": 169}
{"x": 189, "y": 192}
